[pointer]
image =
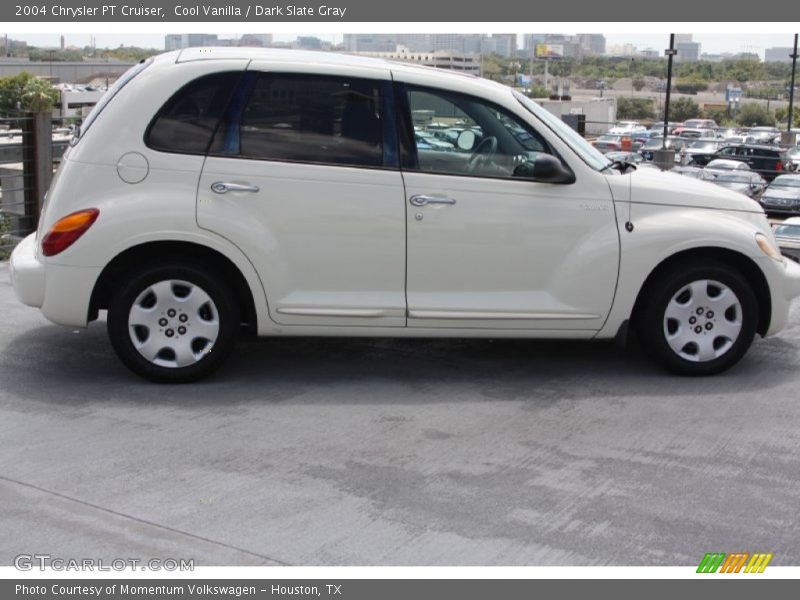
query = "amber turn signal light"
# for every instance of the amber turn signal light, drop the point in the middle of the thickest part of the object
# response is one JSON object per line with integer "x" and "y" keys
{"x": 67, "y": 230}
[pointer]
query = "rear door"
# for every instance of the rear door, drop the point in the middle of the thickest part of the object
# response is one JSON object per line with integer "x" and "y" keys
{"x": 303, "y": 176}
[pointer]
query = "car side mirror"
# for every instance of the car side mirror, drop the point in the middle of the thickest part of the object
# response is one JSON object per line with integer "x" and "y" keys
{"x": 548, "y": 169}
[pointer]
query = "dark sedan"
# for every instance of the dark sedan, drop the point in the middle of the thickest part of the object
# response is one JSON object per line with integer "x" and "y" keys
{"x": 782, "y": 197}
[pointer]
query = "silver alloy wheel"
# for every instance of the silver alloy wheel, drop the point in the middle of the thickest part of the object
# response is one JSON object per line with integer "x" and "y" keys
{"x": 703, "y": 320}
{"x": 173, "y": 323}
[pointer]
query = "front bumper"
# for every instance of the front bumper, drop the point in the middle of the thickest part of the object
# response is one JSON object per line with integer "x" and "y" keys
{"x": 63, "y": 293}
{"x": 784, "y": 283}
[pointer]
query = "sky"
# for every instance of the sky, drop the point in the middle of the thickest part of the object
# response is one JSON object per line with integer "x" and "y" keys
{"x": 711, "y": 43}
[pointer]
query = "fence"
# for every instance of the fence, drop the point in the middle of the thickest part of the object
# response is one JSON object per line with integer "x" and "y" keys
{"x": 28, "y": 155}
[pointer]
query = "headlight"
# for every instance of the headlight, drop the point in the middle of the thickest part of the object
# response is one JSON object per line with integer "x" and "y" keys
{"x": 768, "y": 248}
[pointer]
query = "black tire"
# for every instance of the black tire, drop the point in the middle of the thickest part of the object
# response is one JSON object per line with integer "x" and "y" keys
{"x": 222, "y": 312}
{"x": 653, "y": 326}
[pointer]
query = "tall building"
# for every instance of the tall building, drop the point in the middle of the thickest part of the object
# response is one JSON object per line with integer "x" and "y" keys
{"x": 504, "y": 44}
{"x": 592, "y": 44}
{"x": 687, "y": 51}
{"x": 778, "y": 54}
{"x": 256, "y": 39}
{"x": 178, "y": 41}
{"x": 387, "y": 42}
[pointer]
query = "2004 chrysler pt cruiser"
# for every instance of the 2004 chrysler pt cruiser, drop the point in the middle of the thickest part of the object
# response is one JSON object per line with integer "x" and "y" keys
{"x": 215, "y": 191}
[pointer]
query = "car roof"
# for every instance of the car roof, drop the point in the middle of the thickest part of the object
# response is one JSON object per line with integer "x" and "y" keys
{"x": 309, "y": 57}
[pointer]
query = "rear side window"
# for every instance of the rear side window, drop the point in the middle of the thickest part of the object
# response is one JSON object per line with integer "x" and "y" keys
{"x": 186, "y": 123}
{"x": 310, "y": 118}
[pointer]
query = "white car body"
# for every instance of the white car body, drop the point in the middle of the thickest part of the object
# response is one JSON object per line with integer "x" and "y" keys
{"x": 337, "y": 251}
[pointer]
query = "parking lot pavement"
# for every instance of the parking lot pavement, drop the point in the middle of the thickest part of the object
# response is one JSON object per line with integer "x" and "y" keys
{"x": 410, "y": 452}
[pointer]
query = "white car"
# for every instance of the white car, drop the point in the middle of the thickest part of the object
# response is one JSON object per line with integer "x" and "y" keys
{"x": 219, "y": 191}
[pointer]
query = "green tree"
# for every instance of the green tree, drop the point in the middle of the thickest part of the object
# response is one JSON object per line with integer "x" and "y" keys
{"x": 782, "y": 113}
{"x": 11, "y": 91}
{"x": 683, "y": 108}
{"x": 635, "y": 108}
{"x": 718, "y": 115}
{"x": 38, "y": 96}
{"x": 638, "y": 84}
{"x": 754, "y": 114}
{"x": 691, "y": 85}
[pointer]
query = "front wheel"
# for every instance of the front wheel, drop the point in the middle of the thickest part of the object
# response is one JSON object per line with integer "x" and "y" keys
{"x": 173, "y": 323}
{"x": 699, "y": 320}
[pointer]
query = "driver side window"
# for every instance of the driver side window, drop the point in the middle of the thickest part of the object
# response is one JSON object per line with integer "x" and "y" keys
{"x": 455, "y": 134}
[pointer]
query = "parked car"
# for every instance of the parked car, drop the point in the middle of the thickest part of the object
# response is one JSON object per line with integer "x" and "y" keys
{"x": 220, "y": 191}
{"x": 793, "y": 154}
{"x": 697, "y": 133}
{"x": 700, "y": 124}
{"x": 700, "y": 151}
{"x": 648, "y": 149}
{"x": 633, "y": 158}
{"x": 769, "y": 161}
{"x": 787, "y": 234}
{"x": 694, "y": 172}
{"x": 763, "y": 135}
{"x": 782, "y": 197}
{"x": 723, "y": 164}
{"x": 746, "y": 182}
{"x": 628, "y": 128}
{"x": 608, "y": 143}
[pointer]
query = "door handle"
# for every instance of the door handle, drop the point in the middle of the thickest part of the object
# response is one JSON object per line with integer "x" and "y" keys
{"x": 223, "y": 187}
{"x": 423, "y": 200}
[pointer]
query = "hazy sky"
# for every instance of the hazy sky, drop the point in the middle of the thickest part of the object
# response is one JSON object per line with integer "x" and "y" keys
{"x": 712, "y": 43}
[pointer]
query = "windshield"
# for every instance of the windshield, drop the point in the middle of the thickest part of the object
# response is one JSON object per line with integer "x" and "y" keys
{"x": 788, "y": 230}
{"x": 786, "y": 181}
{"x": 572, "y": 138}
{"x": 120, "y": 83}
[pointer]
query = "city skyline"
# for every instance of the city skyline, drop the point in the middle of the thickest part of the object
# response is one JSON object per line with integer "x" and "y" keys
{"x": 710, "y": 43}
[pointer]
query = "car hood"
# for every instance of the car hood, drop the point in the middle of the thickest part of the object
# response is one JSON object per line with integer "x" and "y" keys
{"x": 653, "y": 186}
{"x": 778, "y": 192}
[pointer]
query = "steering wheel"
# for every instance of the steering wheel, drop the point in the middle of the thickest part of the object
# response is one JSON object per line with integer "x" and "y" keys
{"x": 483, "y": 151}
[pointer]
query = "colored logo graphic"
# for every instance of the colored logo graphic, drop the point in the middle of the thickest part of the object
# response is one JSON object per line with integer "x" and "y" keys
{"x": 737, "y": 562}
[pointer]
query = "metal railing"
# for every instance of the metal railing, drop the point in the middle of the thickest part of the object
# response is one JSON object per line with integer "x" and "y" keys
{"x": 28, "y": 156}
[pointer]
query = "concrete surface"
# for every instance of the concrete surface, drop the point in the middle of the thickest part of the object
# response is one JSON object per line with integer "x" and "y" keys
{"x": 395, "y": 452}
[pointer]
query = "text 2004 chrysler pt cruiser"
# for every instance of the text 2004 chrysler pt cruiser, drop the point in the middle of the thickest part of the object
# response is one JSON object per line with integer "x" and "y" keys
{"x": 289, "y": 193}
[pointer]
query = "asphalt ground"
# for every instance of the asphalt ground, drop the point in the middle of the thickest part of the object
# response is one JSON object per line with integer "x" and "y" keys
{"x": 395, "y": 452}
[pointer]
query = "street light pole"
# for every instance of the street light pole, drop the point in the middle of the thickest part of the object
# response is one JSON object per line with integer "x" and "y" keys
{"x": 791, "y": 89}
{"x": 670, "y": 52}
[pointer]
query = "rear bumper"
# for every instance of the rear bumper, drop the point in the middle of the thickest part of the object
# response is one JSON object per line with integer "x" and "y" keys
{"x": 27, "y": 273}
{"x": 61, "y": 292}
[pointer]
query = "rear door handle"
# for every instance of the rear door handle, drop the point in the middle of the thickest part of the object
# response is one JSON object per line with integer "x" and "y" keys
{"x": 223, "y": 187}
{"x": 424, "y": 200}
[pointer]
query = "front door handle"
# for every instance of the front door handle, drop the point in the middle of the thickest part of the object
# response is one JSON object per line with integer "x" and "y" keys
{"x": 424, "y": 200}
{"x": 223, "y": 187}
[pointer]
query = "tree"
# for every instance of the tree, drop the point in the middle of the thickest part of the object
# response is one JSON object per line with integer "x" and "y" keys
{"x": 638, "y": 84}
{"x": 691, "y": 84}
{"x": 683, "y": 108}
{"x": 26, "y": 92}
{"x": 635, "y": 108}
{"x": 755, "y": 114}
{"x": 782, "y": 113}
{"x": 717, "y": 114}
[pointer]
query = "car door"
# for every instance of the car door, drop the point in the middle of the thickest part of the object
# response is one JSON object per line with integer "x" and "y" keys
{"x": 303, "y": 176}
{"x": 488, "y": 247}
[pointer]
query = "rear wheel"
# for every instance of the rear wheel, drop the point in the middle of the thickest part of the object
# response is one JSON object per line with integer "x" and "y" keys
{"x": 173, "y": 323}
{"x": 699, "y": 320}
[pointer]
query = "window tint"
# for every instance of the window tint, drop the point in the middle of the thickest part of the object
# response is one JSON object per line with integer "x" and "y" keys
{"x": 186, "y": 123}
{"x": 462, "y": 135}
{"x": 317, "y": 119}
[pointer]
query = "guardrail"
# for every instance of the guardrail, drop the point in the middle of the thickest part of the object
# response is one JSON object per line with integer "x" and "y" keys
{"x": 28, "y": 155}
